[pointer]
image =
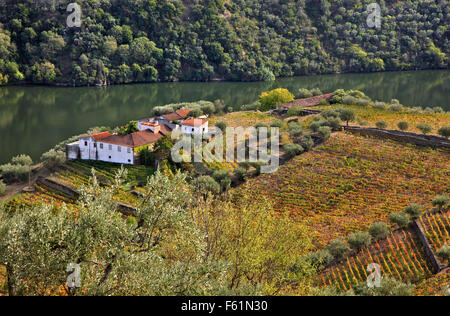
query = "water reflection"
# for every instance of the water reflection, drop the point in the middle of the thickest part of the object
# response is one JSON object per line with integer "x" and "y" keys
{"x": 34, "y": 118}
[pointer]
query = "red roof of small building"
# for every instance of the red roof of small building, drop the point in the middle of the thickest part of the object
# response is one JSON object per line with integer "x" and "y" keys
{"x": 177, "y": 115}
{"x": 307, "y": 102}
{"x": 194, "y": 122}
{"x": 134, "y": 140}
{"x": 98, "y": 136}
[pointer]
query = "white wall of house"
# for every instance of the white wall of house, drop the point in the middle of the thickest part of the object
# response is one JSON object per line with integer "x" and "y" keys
{"x": 190, "y": 130}
{"x": 91, "y": 150}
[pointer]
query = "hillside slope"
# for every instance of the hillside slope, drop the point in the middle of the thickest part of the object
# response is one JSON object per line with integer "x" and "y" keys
{"x": 158, "y": 40}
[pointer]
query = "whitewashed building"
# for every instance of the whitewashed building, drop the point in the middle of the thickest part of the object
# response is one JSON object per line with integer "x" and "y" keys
{"x": 194, "y": 126}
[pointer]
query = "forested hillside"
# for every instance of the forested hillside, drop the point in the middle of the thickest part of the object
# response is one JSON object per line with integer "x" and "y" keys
{"x": 159, "y": 40}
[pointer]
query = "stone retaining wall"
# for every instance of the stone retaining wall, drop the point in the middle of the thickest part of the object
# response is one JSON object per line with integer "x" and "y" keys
{"x": 411, "y": 138}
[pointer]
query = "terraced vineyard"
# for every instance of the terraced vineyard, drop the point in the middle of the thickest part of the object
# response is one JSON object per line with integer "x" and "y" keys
{"x": 437, "y": 229}
{"x": 350, "y": 182}
{"x": 400, "y": 256}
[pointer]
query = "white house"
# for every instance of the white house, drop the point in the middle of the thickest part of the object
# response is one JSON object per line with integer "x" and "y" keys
{"x": 113, "y": 148}
{"x": 194, "y": 126}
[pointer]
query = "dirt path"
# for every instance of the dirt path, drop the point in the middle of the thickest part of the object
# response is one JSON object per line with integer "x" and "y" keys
{"x": 15, "y": 188}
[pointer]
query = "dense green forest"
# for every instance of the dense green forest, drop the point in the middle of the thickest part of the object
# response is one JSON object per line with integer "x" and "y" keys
{"x": 242, "y": 40}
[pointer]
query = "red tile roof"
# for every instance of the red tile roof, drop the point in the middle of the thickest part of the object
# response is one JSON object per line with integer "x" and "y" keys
{"x": 314, "y": 101}
{"x": 177, "y": 115}
{"x": 194, "y": 122}
{"x": 133, "y": 140}
{"x": 98, "y": 136}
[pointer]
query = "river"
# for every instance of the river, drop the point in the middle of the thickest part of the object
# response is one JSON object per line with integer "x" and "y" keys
{"x": 35, "y": 118}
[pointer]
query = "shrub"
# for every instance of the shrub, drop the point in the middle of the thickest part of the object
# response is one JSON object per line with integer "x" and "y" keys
{"x": 379, "y": 230}
{"x": 334, "y": 123}
{"x": 251, "y": 107}
{"x": 438, "y": 109}
{"x": 338, "y": 248}
{"x": 11, "y": 172}
{"x": 195, "y": 113}
{"x": 2, "y": 188}
{"x": 320, "y": 258}
{"x": 316, "y": 92}
{"x": 347, "y": 115}
{"x": 414, "y": 210}
{"x": 379, "y": 105}
{"x": 441, "y": 201}
{"x": 396, "y": 107}
{"x": 53, "y": 158}
{"x": 307, "y": 143}
{"x": 293, "y": 149}
{"x": 295, "y": 129}
{"x": 294, "y": 111}
{"x": 444, "y": 131}
{"x": 22, "y": 160}
{"x": 381, "y": 124}
{"x": 240, "y": 173}
{"x": 314, "y": 126}
{"x": 444, "y": 252}
{"x": 338, "y": 96}
{"x": 276, "y": 123}
{"x": 329, "y": 113}
{"x": 206, "y": 185}
{"x": 388, "y": 287}
{"x": 272, "y": 99}
{"x": 219, "y": 175}
{"x": 304, "y": 93}
{"x": 324, "y": 132}
{"x": 349, "y": 100}
{"x": 403, "y": 126}
{"x": 359, "y": 240}
{"x": 424, "y": 128}
{"x": 362, "y": 102}
{"x": 222, "y": 125}
{"x": 401, "y": 219}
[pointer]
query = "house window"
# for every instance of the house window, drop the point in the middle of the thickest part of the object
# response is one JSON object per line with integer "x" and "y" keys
{"x": 109, "y": 157}
{"x": 85, "y": 143}
{"x": 110, "y": 147}
{"x": 129, "y": 160}
{"x": 192, "y": 129}
{"x": 101, "y": 146}
{"x": 129, "y": 150}
{"x": 119, "y": 149}
{"x": 95, "y": 145}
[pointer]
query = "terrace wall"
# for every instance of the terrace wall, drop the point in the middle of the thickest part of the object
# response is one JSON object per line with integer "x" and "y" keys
{"x": 411, "y": 138}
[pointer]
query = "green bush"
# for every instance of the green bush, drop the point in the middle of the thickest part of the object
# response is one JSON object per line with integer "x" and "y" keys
{"x": 441, "y": 201}
{"x": 222, "y": 125}
{"x": 206, "y": 185}
{"x": 403, "y": 126}
{"x": 338, "y": 248}
{"x": 329, "y": 113}
{"x": 304, "y": 93}
{"x": 316, "y": 92}
{"x": 399, "y": 218}
{"x": 444, "y": 252}
{"x": 294, "y": 111}
{"x": 444, "y": 131}
{"x": 381, "y": 124}
{"x": 359, "y": 240}
{"x": 307, "y": 143}
{"x": 334, "y": 123}
{"x": 240, "y": 173}
{"x": 295, "y": 129}
{"x": 22, "y": 160}
{"x": 2, "y": 188}
{"x": 195, "y": 113}
{"x": 363, "y": 102}
{"x": 293, "y": 149}
{"x": 396, "y": 107}
{"x": 424, "y": 128}
{"x": 320, "y": 259}
{"x": 53, "y": 158}
{"x": 379, "y": 230}
{"x": 414, "y": 210}
{"x": 379, "y": 105}
{"x": 11, "y": 172}
{"x": 324, "y": 132}
{"x": 276, "y": 123}
{"x": 349, "y": 100}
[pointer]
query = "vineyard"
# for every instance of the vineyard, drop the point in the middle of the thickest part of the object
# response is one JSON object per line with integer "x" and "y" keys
{"x": 400, "y": 256}
{"x": 437, "y": 229}
{"x": 350, "y": 182}
{"x": 369, "y": 116}
{"x": 77, "y": 174}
